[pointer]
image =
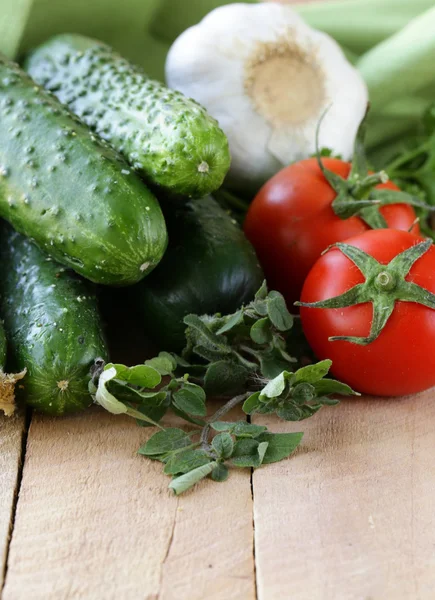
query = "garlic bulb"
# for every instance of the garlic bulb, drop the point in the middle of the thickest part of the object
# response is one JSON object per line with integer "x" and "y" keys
{"x": 268, "y": 78}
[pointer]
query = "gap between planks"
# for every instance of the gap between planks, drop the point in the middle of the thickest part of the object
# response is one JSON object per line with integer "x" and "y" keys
{"x": 94, "y": 519}
{"x": 13, "y": 434}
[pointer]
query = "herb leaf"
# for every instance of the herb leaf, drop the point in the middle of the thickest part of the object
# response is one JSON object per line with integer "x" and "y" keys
{"x": 191, "y": 399}
{"x": 278, "y": 313}
{"x": 225, "y": 378}
{"x": 220, "y": 472}
{"x": 280, "y": 445}
{"x": 165, "y": 441}
{"x": 223, "y": 445}
{"x": 248, "y": 453}
{"x": 183, "y": 462}
{"x": 188, "y": 480}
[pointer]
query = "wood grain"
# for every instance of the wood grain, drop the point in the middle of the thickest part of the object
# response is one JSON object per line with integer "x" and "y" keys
{"x": 95, "y": 520}
{"x": 12, "y": 430}
{"x": 351, "y": 515}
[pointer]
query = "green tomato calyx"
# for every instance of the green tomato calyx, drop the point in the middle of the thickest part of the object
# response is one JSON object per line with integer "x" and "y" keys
{"x": 384, "y": 285}
{"x": 358, "y": 195}
{"x": 385, "y": 281}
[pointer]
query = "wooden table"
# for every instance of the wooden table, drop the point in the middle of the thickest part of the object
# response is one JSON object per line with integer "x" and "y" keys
{"x": 348, "y": 517}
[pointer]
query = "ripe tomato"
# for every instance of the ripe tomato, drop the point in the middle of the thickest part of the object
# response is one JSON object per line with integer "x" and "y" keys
{"x": 402, "y": 359}
{"x": 291, "y": 221}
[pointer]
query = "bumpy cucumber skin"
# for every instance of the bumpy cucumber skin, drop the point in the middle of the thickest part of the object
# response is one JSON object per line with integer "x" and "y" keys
{"x": 169, "y": 138}
{"x": 53, "y": 326}
{"x": 70, "y": 192}
{"x": 209, "y": 267}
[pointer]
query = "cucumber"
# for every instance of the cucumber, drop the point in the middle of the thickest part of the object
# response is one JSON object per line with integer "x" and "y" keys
{"x": 170, "y": 139}
{"x": 3, "y": 346}
{"x": 71, "y": 193}
{"x": 52, "y": 324}
{"x": 209, "y": 267}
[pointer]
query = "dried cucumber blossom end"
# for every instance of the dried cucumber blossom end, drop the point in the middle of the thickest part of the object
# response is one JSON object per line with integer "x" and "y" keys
{"x": 7, "y": 391}
{"x": 267, "y": 77}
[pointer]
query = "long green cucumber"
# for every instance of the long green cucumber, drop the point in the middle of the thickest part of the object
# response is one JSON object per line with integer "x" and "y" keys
{"x": 52, "y": 324}
{"x": 169, "y": 138}
{"x": 209, "y": 267}
{"x": 70, "y": 192}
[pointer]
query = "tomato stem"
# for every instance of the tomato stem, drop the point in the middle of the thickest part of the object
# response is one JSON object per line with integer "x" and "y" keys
{"x": 385, "y": 281}
{"x": 358, "y": 195}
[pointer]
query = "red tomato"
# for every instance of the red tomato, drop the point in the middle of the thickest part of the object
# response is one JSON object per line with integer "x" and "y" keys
{"x": 402, "y": 359}
{"x": 290, "y": 222}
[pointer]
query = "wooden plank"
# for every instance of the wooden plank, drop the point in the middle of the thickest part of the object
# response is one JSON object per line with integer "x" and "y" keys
{"x": 12, "y": 430}
{"x": 351, "y": 515}
{"x": 95, "y": 520}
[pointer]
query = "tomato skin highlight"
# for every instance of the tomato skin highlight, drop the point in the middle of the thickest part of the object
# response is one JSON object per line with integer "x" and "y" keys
{"x": 401, "y": 360}
{"x": 291, "y": 221}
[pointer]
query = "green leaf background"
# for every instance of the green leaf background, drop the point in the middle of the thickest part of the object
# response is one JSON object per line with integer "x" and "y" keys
{"x": 390, "y": 41}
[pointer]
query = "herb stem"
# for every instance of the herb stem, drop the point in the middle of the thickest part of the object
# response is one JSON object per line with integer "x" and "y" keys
{"x": 218, "y": 414}
{"x": 401, "y": 160}
{"x": 249, "y": 350}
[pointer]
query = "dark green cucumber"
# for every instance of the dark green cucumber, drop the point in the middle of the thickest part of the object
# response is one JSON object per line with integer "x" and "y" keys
{"x": 3, "y": 346}
{"x": 169, "y": 138}
{"x": 209, "y": 267}
{"x": 52, "y": 324}
{"x": 70, "y": 192}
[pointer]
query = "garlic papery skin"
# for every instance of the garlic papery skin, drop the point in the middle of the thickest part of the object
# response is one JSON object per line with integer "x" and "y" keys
{"x": 268, "y": 78}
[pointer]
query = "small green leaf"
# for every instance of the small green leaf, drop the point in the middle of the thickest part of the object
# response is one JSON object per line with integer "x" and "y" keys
{"x": 278, "y": 313}
{"x": 191, "y": 399}
{"x": 125, "y": 393}
{"x": 280, "y": 445}
{"x": 232, "y": 322}
{"x": 209, "y": 354}
{"x": 262, "y": 292}
{"x": 325, "y": 401}
{"x": 164, "y": 363}
{"x": 245, "y": 453}
{"x": 155, "y": 413}
{"x": 187, "y": 417}
{"x": 223, "y": 445}
{"x": 140, "y": 375}
{"x": 313, "y": 373}
{"x": 291, "y": 412}
{"x": 260, "y": 308}
{"x": 165, "y": 441}
{"x": 324, "y": 387}
{"x": 183, "y": 462}
{"x": 242, "y": 429}
{"x": 222, "y": 425}
{"x": 208, "y": 337}
{"x": 276, "y": 386}
{"x": 220, "y": 473}
{"x": 104, "y": 398}
{"x": 272, "y": 364}
{"x": 261, "y": 332}
{"x": 108, "y": 401}
{"x": 252, "y": 403}
{"x": 188, "y": 480}
{"x": 224, "y": 378}
{"x": 180, "y": 361}
{"x": 262, "y": 449}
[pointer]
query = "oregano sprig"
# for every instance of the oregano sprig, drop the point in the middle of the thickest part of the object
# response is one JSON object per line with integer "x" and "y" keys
{"x": 243, "y": 358}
